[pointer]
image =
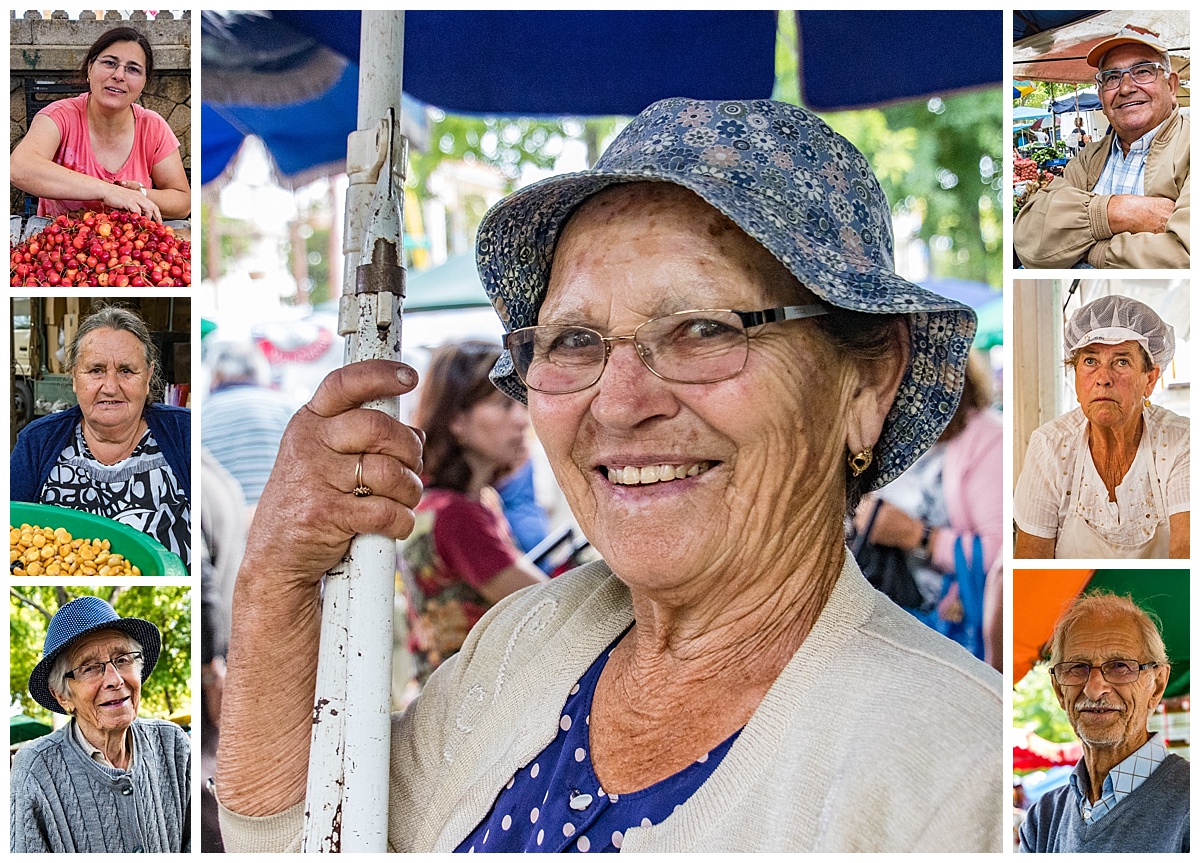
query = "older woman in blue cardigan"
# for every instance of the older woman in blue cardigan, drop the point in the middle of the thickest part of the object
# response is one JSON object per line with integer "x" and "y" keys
{"x": 117, "y": 454}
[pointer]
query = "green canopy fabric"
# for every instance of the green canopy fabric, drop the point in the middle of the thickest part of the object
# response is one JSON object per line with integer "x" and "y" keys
{"x": 989, "y": 330}
{"x": 452, "y": 285}
{"x": 1167, "y": 594}
{"x": 22, "y": 728}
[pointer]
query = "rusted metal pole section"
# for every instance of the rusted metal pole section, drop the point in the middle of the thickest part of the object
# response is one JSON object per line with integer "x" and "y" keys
{"x": 347, "y": 801}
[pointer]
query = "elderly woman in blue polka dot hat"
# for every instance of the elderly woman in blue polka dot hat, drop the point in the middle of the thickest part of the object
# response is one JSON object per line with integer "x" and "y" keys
{"x": 106, "y": 781}
{"x": 719, "y": 359}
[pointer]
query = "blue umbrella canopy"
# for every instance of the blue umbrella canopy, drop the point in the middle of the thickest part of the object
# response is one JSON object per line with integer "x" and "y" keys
{"x": 1083, "y": 100}
{"x": 1022, "y": 113}
{"x": 290, "y": 77}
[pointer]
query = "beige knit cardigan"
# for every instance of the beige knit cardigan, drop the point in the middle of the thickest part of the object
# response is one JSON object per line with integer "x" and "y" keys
{"x": 879, "y": 734}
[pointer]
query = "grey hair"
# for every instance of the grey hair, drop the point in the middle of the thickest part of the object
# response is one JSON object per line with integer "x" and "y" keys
{"x": 122, "y": 319}
{"x": 1109, "y": 606}
{"x": 239, "y": 362}
{"x": 57, "y": 679}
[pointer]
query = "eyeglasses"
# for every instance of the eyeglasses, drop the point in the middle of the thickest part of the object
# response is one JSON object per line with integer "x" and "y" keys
{"x": 1114, "y": 671}
{"x": 109, "y": 65}
{"x": 1142, "y": 73}
{"x": 701, "y": 346}
{"x": 91, "y": 671}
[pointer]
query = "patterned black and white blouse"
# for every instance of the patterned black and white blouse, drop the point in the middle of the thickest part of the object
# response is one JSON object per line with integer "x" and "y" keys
{"x": 140, "y": 491}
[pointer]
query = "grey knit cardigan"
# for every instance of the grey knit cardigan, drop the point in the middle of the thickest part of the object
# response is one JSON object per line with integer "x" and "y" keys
{"x": 63, "y": 801}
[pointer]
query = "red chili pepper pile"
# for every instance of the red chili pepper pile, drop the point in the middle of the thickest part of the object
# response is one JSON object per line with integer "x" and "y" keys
{"x": 116, "y": 249}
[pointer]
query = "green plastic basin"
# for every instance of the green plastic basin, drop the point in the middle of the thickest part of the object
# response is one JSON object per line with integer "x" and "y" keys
{"x": 143, "y": 551}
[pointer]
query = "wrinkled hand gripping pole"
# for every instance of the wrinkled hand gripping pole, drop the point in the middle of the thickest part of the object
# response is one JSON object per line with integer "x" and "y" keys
{"x": 346, "y": 798}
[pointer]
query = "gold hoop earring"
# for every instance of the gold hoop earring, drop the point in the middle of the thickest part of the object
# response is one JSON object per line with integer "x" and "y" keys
{"x": 859, "y": 462}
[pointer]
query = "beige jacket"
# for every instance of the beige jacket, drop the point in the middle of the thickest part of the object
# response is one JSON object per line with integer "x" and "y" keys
{"x": 879, "y": 735}
{"x": 1066, "y": 222}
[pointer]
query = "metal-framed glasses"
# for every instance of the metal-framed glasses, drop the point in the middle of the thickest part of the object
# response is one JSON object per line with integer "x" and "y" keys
{"x": 109, "y": 65}
{"x": 1142, "y": 73}
{"x": 90, "y": 671}
{"x": 1114, "y": 671}
{"x": 699, "y": 346}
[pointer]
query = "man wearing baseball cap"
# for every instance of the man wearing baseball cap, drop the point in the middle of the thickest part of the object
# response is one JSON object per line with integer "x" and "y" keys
{"x": 1125, "y": 201}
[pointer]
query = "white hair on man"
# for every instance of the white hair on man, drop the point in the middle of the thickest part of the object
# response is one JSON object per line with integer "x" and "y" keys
{"x": 1109, "y": 606}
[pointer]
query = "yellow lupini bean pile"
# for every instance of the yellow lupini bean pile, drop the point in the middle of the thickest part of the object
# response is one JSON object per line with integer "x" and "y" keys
{"x": 53, "y": 551}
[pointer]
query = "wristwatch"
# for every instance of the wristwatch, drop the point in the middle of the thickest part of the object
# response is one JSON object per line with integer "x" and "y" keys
{"x": 922, "y": 548}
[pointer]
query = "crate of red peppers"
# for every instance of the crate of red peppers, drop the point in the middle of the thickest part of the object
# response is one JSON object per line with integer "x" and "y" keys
{"x": 109, "y": 250}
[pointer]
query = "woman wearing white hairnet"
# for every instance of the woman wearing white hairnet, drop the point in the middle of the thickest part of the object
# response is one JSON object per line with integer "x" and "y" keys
{"x": 1110, "y": 478}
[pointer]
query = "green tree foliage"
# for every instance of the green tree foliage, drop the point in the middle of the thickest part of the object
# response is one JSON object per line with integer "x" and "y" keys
{"x": 1045, "y": 92}
{"x": 939, "y": 159}
{"x": 168, "y": 689}
{"x": 236, "y": 237}
{"x": 506, "y": 143}
{"x": 1036, "y": 708}
{"x": 509, "y": 144}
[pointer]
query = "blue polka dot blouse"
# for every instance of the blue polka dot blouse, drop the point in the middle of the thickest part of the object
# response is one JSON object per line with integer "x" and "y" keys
{"x": 555, "y": 803}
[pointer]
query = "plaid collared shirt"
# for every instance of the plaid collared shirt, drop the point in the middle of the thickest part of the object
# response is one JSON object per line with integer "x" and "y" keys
{"x": 1121, "y": 781}
{"x": 1123, "y": 174}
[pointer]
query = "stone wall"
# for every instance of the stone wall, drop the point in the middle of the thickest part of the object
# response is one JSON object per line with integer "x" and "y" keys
{"x": 51, "y": 49}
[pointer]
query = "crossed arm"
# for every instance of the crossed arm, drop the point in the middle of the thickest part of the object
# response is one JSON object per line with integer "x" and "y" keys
{"x": 1067, "y": 223}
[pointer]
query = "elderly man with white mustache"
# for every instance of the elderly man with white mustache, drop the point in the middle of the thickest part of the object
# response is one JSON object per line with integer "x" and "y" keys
{"x": 1109, "y": 671}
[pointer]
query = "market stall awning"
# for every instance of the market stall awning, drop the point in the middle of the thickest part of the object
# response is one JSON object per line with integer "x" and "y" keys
{"x": 1059, "y": 51}
{"x": 1041, "y": 595}
{"x": 1041, "y": 754}
{"x": 22, "y": 728}
{"x": 1030, "y": 22}
{"x": 1081, "y": 100}
{"x": 259, "y": 66}
{"x": 1022, "y": 113}
{"x": 452, "y": 285}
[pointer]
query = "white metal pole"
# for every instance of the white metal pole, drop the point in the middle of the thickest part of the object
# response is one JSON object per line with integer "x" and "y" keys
{"x": 347, "y": 797}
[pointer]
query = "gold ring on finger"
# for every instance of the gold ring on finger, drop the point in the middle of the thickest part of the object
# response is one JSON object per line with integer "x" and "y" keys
{"x": 360, "y": 488}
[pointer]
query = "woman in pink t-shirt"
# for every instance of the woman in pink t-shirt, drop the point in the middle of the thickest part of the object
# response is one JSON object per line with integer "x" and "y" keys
{"x": 100, "y": 150}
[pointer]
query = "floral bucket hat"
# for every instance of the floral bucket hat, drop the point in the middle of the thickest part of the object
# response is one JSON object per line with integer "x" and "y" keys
{"x": 791, "y": 183}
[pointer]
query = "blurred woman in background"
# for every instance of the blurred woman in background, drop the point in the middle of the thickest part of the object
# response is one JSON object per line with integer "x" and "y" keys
{"x": 940, "y": 507}
{"x": 461, "y": 558}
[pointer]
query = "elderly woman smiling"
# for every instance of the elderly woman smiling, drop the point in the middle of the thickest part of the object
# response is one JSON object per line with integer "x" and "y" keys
{"x": 1110, "y": 479}
{"x": 687, "y": 323}
{"x": 117, "y": 454}
{"x": 106, "y": 781}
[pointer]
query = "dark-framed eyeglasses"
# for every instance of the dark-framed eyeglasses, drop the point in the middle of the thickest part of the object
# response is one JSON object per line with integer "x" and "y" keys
{"x": 1114, "y": 671}
{"x": 699, "y": 346}
{"x": 1142, "y": 73}
{"x": 126, "y": 663}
